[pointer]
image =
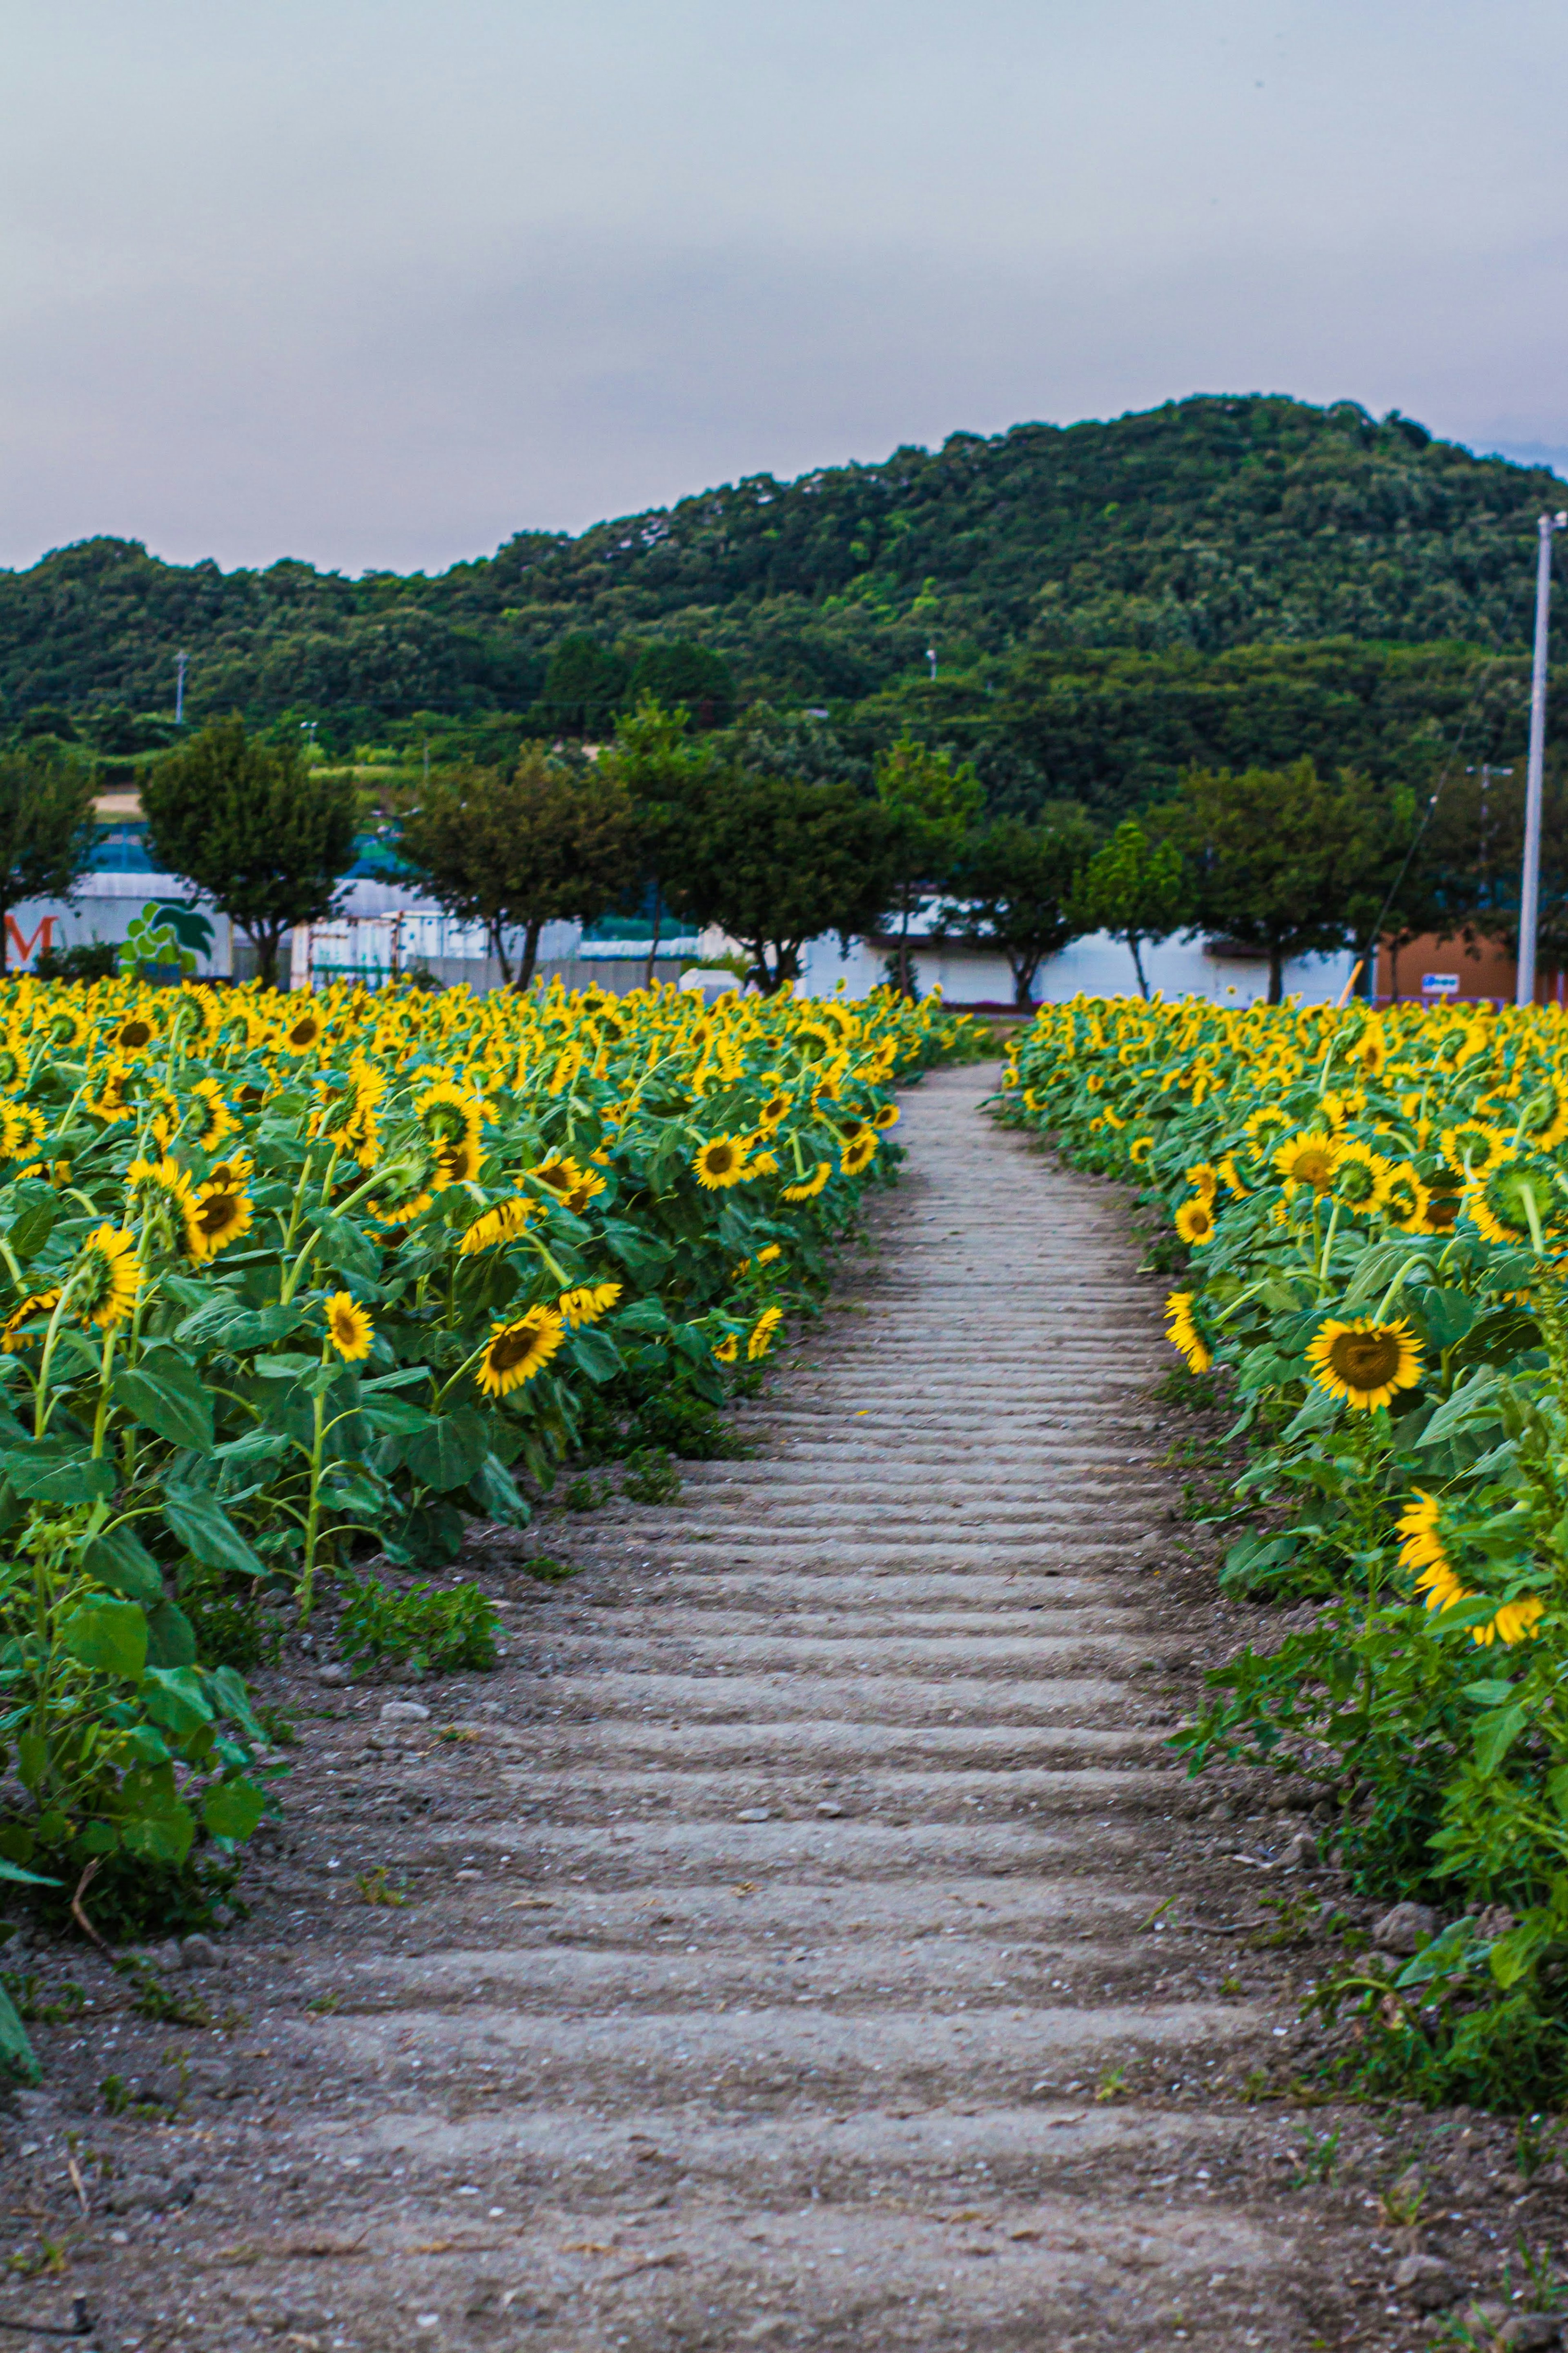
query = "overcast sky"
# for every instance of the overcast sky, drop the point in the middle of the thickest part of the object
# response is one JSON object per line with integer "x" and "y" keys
{"x": 380, "y": 281}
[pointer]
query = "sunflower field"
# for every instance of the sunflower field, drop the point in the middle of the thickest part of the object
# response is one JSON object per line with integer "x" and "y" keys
{"x": 1371, "y": 1210}
{"x": 293, "y": 1279}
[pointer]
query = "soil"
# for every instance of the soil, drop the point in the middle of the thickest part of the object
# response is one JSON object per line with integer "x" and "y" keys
{"x": 807, "y": 1936}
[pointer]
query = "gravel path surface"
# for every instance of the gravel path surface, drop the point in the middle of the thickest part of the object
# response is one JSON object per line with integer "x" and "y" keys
{"x": 784, "y": 1964}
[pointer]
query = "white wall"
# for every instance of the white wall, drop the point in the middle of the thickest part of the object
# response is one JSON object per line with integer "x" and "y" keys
{"x": 1094, "y": 966}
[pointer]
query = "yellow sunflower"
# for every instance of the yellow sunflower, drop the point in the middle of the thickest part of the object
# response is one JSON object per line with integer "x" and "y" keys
{"x": 774, "y": 1109}
{"x": 220, "y": 1119}
{"x": 859, "y": 1153}
{"x": 1195, "y": 1221}
{"x": 586, "y": 1304}
{"x": 501, "y": 1224}
{"x": 763, "y": 1331}
{"x": 1406, "y": 1200}
{"x": 41, "y": 1302}
{"x": 1472, "y": 1147}
{"x": 809, "y": 1186}
{"x": 1516, "y": 1621}
{"x": 559, "y": 1174}
{"x": 299, "y": 1036}
{"x": 1362, "y": 1177}
{"x": 1183, "y": 1332}
{"x": 1499, "y": 1205}
{"x": 164, "y": 1181}
{"x": 888, "y": 1116}
{"x": 728, "y": 1349}
{"x": 587, "y": 1187}
{"x": 1364, "y": 1363}
{"x": 722, "y": 1162}
{"x": 349, "y": 1328}
{"x": 1309, "y": 1160}
{"x": 219, "y": 1214}
{"x": 516, "y": 1351}
{"x": 105, "y": 1280}
{"x": 133, "y": 1035}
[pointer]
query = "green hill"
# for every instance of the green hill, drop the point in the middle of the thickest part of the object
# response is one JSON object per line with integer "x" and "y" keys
{"x": 1217, "y": 578}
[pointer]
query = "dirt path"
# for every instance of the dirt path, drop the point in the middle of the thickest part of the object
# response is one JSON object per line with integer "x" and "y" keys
{"x": 782, "y": 1967}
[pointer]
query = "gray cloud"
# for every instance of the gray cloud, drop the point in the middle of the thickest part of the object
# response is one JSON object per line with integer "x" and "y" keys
{"x": 382, "y": 283}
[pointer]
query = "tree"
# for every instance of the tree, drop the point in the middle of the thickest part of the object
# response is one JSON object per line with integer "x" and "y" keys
{"x": 775, "y": 863}
{"x": 515, "y": 849}
{"x": 45, "y": 828}
{"x": 1283, "y": 861}
{"x": 931, "y": 806}
{"x": 665, "y": 774}
{"x": 674, "y": 671}
{"x": 1020, "y": 888}
{"x": 250, "y": 825}
{"x": 1135, "y": 890}
{"x": 583, "y": 686}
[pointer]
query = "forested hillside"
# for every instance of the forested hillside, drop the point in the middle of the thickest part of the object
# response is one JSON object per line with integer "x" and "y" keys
{"x": 1218, "y": 579}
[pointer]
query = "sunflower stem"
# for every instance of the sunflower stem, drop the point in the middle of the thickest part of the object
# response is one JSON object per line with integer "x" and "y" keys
{"x": 1328, "y": 1241}
{"x": 100, "y": 1419}
{"x": 1397, "y": 1285}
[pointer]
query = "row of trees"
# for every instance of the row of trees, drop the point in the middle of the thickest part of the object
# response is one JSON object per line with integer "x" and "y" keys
{"x": 688, "y": 828}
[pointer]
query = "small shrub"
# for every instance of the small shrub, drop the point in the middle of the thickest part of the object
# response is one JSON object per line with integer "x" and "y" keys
{"x": 586, "y": 1494}
{"x": 546, "y": 1570}
{"x": 229, "y": 1631}
{"x": 652, "y": 1477}
{"x": 152, "y": 1999}
{"x": 1198, "y": 1392}
{"x": 435, "y": 1632}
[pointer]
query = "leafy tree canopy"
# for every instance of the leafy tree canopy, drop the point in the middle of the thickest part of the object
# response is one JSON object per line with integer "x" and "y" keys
{"x": 515, "y": 849}
{"x": 266, "y": 837}
{"x": 1019, "y": 887}
{"x": 1286, "y": 862}
{"x": 46, "y": 827}
{"x": 1135, "y": 890}
{"x": 775, "y": 863}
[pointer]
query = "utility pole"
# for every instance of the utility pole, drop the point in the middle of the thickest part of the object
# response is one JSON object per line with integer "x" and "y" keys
{"x": 1529, "y": 880}
{"x": 179, "y": 662}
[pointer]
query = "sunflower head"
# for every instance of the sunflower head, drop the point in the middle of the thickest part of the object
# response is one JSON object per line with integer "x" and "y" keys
{"x": 1182, "y": 1330}
{"x": 349, "y": 1328}
{"x": 1195, "y": 1221}
{"x": 859, "y": 1152}
{"x": 728, "y": 1348}
{"x": 219, "y": 1213}
{"x": 1543, "y": 1122}
{"x": 1309, "y": 1160}
{"x": 13, "y": 1336}
{"x": 588, "y": 1303}
{"x": 559, "y": 1174}
{"x": 501, "y": 1224}
{"x": 135, "y": 1035}
{"x": 515, "y": 1352}
{"x": 218, "y": 1121}
{"x": 297, "y": 1036}
{"x": 1364, "y": 1363}
{"x": 1500, "y": 1203}
{"x": 1406, "y": 1200}
{"x": 809, "y": 1186}
{"x": 1473, "y": 1146}
{"x": 1361, "y": 1178}
{"x": 888, "y": 1116}
{"x": 763, "y": 1331}
{"x": 722, "y": 1162}
{"x": 106, "y": 1277}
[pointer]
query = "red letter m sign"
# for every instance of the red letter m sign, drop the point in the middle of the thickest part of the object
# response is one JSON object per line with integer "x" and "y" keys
{"x": 43, "y": 937}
